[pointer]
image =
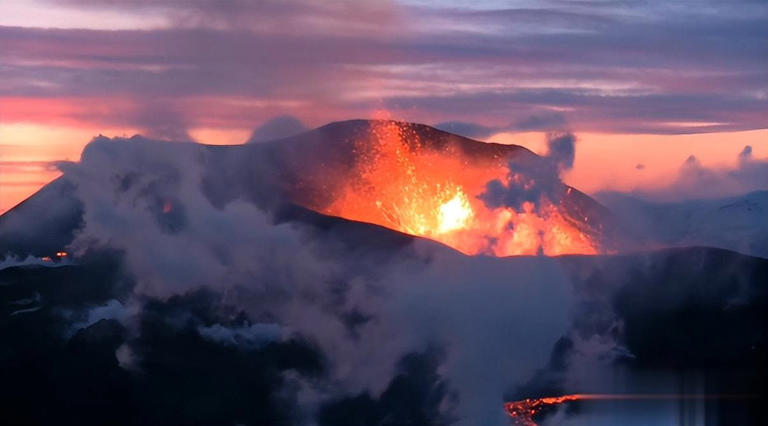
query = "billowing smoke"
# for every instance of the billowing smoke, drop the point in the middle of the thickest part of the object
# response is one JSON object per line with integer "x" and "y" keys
{"x": 561, "y": 150}
{"x": 532, "y": 181}
{"x": 367, "y": 314}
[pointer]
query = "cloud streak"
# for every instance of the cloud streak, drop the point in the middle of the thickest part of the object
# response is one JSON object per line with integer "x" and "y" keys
{"x": 629, "y": 67}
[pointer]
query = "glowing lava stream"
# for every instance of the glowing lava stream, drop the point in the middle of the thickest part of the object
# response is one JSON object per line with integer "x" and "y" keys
{"x": 406, "y": 184}
{"x": 523, "y": 411}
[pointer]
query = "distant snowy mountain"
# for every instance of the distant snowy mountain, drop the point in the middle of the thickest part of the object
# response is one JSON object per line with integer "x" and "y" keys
{"x": 734, "y": 223}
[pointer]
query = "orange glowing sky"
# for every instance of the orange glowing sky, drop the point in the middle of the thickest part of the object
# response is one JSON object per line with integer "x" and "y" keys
{"x": 604, "y": 161}
{"x": 609, "y": 161}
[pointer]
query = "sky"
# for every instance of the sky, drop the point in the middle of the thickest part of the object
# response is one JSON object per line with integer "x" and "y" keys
{"x": 642, "y": 84}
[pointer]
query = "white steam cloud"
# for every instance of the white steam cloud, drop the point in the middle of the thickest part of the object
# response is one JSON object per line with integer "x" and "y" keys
{"x": 145, "y": 200}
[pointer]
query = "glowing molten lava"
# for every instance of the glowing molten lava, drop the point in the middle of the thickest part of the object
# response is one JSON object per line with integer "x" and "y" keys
{"x": 434, "y": 190}
{"x": 522, "y": 412}
{"x": 454, "y": 214}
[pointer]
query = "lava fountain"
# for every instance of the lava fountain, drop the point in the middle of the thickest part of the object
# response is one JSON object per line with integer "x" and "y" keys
{"x": 435, "y": 190}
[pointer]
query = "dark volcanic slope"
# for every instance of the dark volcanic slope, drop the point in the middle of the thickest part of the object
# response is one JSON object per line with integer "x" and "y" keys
{"x": 699, "y": 311}
{"x": 692, "y": 315}
{"x": 43, "y": 223}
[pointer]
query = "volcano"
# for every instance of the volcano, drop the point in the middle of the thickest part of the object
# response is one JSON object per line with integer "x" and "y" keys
{"x": 425, "y": 182}
{"x": 477, "y": 197}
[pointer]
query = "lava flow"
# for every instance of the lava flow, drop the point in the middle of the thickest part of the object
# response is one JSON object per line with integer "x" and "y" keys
{"x": 523, "y": 411}
{"x": 405, "y": 183}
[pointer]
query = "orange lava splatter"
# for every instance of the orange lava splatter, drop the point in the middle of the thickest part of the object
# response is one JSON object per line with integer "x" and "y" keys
{"x": 401, "y": 183}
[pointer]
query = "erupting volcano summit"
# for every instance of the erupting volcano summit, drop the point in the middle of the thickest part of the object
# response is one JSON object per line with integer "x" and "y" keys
{"x": 479, "y": 198}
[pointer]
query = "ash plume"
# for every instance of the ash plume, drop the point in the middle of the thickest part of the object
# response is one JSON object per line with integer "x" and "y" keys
{"x": 532, "y": 181}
